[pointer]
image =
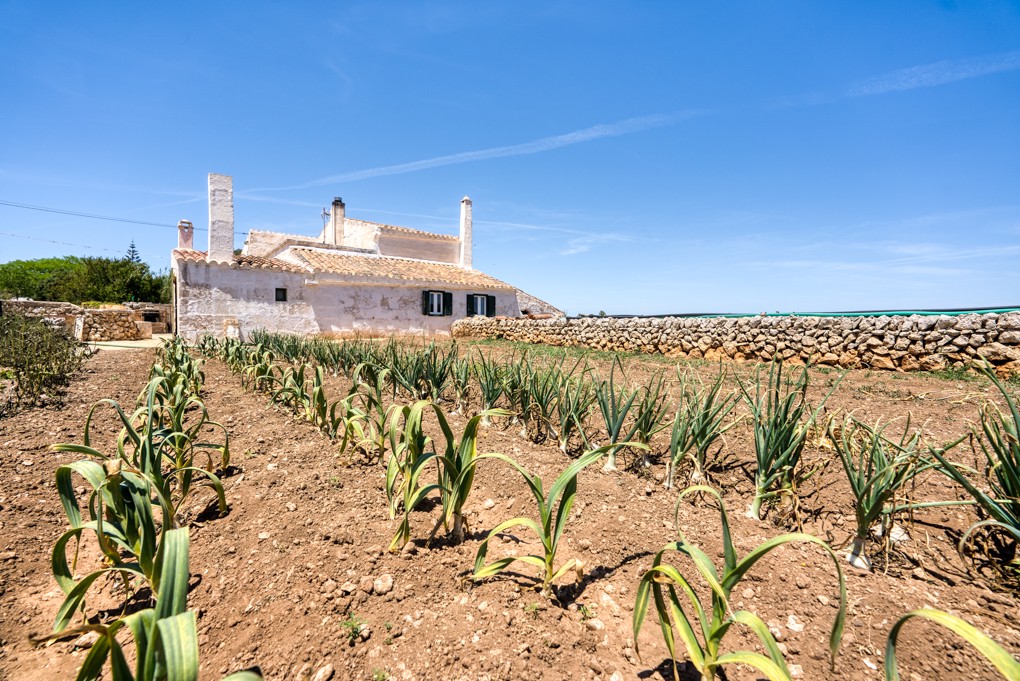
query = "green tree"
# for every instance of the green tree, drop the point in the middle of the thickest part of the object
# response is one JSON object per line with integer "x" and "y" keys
{"x": 105, "y": 280}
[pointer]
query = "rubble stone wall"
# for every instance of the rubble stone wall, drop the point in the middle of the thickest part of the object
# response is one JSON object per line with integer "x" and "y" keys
{"x": 83, "y": 323}
{"x": 107, "y": 325}
{"x": 894, "y": 342}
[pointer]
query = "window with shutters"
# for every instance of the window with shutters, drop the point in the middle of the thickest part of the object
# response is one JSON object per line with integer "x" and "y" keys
{"x": 481, "y": 305}
{"x": 436, "y": 303}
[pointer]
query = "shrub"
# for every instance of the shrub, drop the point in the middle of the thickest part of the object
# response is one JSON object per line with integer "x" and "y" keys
{"x": 40, "y": 359}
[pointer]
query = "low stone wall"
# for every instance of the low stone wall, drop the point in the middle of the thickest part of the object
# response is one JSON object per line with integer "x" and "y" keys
{"x": 107, "y": 325}
{"x": 83, "y": 323}
{"x": 902, "y": 343}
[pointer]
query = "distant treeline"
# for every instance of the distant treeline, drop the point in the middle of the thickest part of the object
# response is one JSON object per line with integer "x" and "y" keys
{"x": 77, "y": 280}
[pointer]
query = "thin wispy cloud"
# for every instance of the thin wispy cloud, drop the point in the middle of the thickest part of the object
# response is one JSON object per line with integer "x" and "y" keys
{"x": 595, "y": 132}
{"x": 937, "y": 73}
{"x": 579, "y": 241}
{"x": 910, "y": 78}
{"x": 584, "y": 244}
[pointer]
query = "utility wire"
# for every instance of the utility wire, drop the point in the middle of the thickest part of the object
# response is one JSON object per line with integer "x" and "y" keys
{"x": 63, "y": 243}
{"x": 44, "y": 209}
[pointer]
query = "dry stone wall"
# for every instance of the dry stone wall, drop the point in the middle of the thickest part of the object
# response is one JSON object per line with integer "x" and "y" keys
{"x": 895, "y": 342}
{"x": 107, "y": 325}
{"x": 85, "y": 324}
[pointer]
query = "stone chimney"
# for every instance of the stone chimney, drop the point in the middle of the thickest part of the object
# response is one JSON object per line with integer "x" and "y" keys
{"x": 221, "y": 218}
{"x": 335, "y": 229}
{"x": 465, "y": 233}
{"x": 185, "y": 235}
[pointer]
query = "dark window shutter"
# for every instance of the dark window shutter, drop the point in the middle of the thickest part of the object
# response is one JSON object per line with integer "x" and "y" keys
{"x": 447, "y": 303}
{"x": 490, "y": 306}
{"x": 425, "y": 302}
{"x": 470, "y": 305}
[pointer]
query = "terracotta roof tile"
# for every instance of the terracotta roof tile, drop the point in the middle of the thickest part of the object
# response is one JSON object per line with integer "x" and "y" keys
{"x": 258, "y": 262}
{"x": 187, "y": 254}
{"x": 401, "y": 269}
{"x": 249, "y": 261}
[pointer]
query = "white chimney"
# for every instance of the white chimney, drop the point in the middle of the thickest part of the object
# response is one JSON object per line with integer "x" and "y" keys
{"x": 335, "y": 230}
{"x": 185, "y": 235}
{"x": 465, "y": 233}
{"x": 221, "y": 218}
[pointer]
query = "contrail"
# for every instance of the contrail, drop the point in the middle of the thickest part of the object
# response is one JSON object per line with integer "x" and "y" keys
{"x": 625, "y": 127}
{"x": 937, "y": 73}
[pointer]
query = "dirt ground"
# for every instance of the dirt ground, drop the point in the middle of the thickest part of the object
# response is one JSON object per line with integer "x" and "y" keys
{"x": 296, "y": 579}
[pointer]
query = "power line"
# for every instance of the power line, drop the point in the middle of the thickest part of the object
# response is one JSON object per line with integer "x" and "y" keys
{"x": 60, "y": 211}
{"x": 63, "y": 243}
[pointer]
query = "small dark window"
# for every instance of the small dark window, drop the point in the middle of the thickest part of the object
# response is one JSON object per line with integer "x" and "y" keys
{"x": 281, "y": 295}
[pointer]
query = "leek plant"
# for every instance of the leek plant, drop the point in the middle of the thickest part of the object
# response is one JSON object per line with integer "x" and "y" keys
{"x": 436, "y": 372}
{"x": 369, "y": 387}
{"x": 122, "y": 520}
{"x": 615, "y": 404}
{"x": 460, "y": 377}
{"x": 664, "y": 582}
{"x": 261, "y": 373}
{"x": 577, "y": 395}
{"x": 161, "y": 451}
{"x": 411, "y": 450}
{"x": 545, "y": 385}
{"x": 489, "y": 374}
{"x": 780, "y": 431}
{"x": 1005, "y": 663}
{"x": 517, "y": 379}
{"x": 878, "y": 468}
{"x": 165, "y": 636}
{"x": 291, "y": 389}
{"x": 698, "y": 425}
{"x": 999, "y": 440}
{"x": 457, "y": 470}
{"x": 650, "y": 413}
{"x": 553, "y": 512}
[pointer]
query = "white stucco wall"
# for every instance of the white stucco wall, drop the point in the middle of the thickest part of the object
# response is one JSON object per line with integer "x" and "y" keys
{"x": 360, "y": 234}
{"x": 408, "y": 246}
{"x": 211, "y": 296}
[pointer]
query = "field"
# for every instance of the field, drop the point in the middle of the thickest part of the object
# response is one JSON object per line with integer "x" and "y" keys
{"x": 297, "y": 577}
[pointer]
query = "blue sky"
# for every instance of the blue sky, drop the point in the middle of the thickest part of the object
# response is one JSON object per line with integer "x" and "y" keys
{"x": 629, "y": 157}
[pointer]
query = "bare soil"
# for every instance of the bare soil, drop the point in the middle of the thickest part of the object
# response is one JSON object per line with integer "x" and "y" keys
{"x": 295, "y": 578}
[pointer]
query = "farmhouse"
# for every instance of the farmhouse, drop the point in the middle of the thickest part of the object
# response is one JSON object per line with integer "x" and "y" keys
{"x": 354, "y": 277}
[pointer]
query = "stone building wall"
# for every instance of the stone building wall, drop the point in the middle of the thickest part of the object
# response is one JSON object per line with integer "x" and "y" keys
{"x": 902, "y": 343}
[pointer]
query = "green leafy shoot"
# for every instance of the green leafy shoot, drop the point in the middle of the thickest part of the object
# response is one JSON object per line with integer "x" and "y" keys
{"x": 489, "y": 374}
{"x": 577, "y": 395}
{"x": 781, "y": 419}
{"x": 878, "y": 469}
{"x": 615, "y": 403}
{"x": 999, "y": 658}
{"x": 165, "y": 636}
{"x": 457, "y": 470}
{"x": 664, "y": 584}
{"x": 553, "y": 512}
{"x": 411, "y": 450}
{"x": 999, "y": 440}
{"x": 698, "y": 425}
{"x": 650, "y": 413}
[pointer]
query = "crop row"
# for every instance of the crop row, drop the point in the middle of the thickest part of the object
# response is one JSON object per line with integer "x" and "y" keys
{"x": 877, "y": 466}
{"x": 134, "y": 514}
